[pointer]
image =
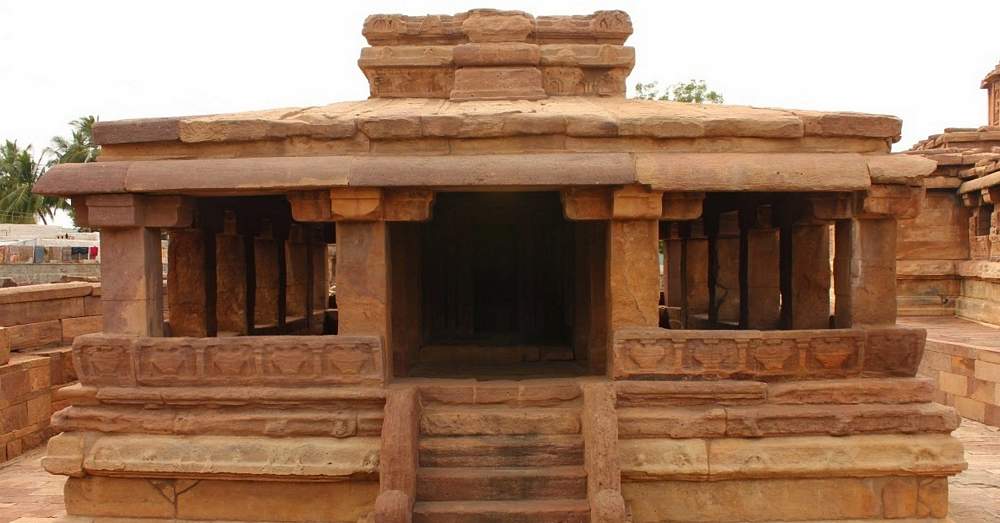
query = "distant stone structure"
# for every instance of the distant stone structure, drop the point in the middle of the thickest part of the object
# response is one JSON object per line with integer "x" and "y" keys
{"x": 949, "y": 259}
{"x": 498, "y": 209}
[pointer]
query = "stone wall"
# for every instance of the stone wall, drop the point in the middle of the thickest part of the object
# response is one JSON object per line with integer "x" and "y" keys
{"x": 929, "y": 249}
{"x": 967, "y": 378}
{"x": 49, "y": 315}
{"x": 37, "y": 325}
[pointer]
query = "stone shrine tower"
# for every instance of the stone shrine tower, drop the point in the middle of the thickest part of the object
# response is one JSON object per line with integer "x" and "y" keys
{"x": 992, "y": 85}
{"x": 495, "y": 347}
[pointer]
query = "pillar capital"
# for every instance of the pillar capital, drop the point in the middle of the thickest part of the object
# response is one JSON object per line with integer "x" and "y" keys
{"x": 361, "y": 204}
{"x": 681, "y": 206}
{"x": 889, "y": 201}
{"x": 636, "y": 202}
{"x": 134, "y": 210}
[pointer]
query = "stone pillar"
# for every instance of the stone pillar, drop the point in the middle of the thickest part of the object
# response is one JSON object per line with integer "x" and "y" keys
{"x": 695, "y": 272}
{"x": 673, "y": 280}
{"x": 760, "y": 288}
{"x": 727, "y": 280}
{"x": 230, "y": 270}
{"x": 297, "y": 274}
{"x": 363, "y": 279}
{"x": 320, "y": 284}
{"x": 633, "y": 258}
{"x": 131, "y": 264}
{"x": 191, "y": 282}
{"x": 132, "y": 281}
{"x": 806, "y": 269}
{"x": 865, "y": 279}
{"x": 268, "y": 280}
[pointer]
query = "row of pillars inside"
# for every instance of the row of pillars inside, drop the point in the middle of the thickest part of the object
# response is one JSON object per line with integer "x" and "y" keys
{"x": 246, "y": 268}
{"x": 243, "y": 268}
{"x": 743, "y": 269}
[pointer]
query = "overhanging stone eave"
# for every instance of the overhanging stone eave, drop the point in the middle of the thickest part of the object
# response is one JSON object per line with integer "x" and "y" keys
{"x": 678, "y": 172}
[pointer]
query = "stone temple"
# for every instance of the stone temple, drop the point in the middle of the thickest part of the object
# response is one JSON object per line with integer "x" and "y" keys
{"x": 495, "y": 348}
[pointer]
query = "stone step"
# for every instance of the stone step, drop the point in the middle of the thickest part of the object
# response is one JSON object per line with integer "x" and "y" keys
{"x": 475, "y": 420}
{"x": 491, "y": 483}
{"x": 501, "y": 451}
{"x": 531, "y": 511}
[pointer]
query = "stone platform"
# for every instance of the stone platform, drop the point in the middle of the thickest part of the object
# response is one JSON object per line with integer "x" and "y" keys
{"x": 30, "y": 495}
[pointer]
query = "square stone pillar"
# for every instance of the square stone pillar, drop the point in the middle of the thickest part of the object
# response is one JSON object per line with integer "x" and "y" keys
{"x": 806, "y": 269}
{"x": 132, "y": 281}
{"x": 231, "y": 276}
{"x": 760, "y": 299}
{"x": 865, "y": 278}
{"x": 131, "y": 264}
{"x": 319, "y": 282}
{"x": 695, "y": 262}
{"x": 633, "y": 258}
{"x": 267, "y": 291}
{"x": 363, "y": 279}
{"x": 191, "y": 282}
{"x": 727, "y": 277}
{"x": 297, "y": 274}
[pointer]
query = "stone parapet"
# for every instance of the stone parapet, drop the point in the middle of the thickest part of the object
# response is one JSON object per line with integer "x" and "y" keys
{"x": 654, "y": 353}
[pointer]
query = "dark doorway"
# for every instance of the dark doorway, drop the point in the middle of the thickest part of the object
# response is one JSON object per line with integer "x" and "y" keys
{"x": 498, "y": 275}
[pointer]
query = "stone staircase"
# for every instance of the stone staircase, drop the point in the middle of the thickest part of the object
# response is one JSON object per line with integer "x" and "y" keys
{"x": 505, "y": 463}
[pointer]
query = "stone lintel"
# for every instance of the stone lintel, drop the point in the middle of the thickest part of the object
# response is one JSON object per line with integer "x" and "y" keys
{"x": 136, "y": 210}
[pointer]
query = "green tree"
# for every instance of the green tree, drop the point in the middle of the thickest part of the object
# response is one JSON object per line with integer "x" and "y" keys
{"x": 693, "y": 91}
{"x": 80, "y": 147}
{"x": 19, "y": 169}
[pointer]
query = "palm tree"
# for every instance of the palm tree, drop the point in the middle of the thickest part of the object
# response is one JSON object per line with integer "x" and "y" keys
{"x": 19, "y": 170}
{"x": 80, "y": 147}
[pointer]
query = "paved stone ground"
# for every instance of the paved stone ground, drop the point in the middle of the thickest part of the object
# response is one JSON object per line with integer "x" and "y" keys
{"x": 28, "y": 491}
{"x": 975, "y": 493}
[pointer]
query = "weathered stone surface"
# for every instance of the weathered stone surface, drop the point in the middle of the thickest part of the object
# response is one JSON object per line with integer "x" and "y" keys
{"x": 753, "y": 172}
{"x": 782, "y": 457}
{"x": 828, "y": 499}
{"x": 213, "y": 456}
{"x": 766, "y": 355}
{"x": 852, "y": 391}
{"x": 263, "y": 360}
{"x": 683, "y": 393}
{"x": 633, "y": 273}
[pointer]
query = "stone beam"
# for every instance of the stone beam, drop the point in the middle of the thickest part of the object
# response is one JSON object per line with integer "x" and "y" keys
{"x": 136, "y": 210}
{"x": 362, "y": 204}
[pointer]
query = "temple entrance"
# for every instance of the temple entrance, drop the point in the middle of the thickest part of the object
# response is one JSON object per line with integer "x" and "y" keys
{"x": 496, "y": 286}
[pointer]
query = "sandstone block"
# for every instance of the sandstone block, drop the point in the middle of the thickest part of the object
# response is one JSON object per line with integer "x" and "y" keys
{"x": 73, "y": 327}
{"x": 34, "y": 335}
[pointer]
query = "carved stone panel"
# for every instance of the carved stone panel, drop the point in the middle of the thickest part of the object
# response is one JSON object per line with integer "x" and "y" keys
{"x": 259, "y": 361}
{"x": 652, "y": 353}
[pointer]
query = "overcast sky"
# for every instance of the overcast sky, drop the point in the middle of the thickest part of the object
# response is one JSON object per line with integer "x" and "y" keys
{"x": 921, "y": 61}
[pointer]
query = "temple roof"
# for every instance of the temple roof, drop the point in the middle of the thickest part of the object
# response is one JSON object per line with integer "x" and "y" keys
{"x": 991, "y": 77}
{"x": 407, "y": 118}
{"x": 491, "y": 98}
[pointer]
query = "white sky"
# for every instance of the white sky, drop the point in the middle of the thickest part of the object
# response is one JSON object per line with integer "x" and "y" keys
{"x": 921, "y": 61}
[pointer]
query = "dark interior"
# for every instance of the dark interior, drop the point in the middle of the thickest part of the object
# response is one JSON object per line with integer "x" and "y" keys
{"x": 497, "y": 270}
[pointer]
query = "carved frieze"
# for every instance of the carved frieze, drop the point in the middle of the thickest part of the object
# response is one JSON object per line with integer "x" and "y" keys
{"x": 766, "y": 355}
{"x": 260, "y": 361}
